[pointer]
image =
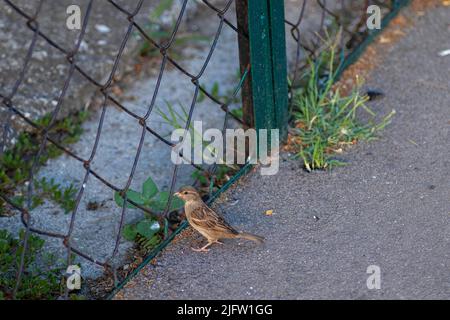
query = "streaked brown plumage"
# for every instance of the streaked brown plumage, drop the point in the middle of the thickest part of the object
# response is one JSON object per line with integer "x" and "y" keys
{"x": 208, "y": 222}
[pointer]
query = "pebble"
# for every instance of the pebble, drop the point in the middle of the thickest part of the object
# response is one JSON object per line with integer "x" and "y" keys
{"x": 40, "y": 55}
{"x": 102, "y": 28}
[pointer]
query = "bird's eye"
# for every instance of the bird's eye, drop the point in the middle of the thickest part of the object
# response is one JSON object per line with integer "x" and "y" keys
{"x": 185, "y": 192}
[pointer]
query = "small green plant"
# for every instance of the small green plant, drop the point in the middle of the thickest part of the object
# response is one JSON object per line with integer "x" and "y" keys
{"x": 215, "y": 92}
{"x": 37, "y": 282}
{"x": 36, "y": 201}
{"x": 43, "y": 188}
{"x": 16, "y": 162}
{"x": 221, "y": 175}
{"x": 150, "y": 197}
{"x": 325, "y": 122}
{"x": 178, "y": 120}
{"x": 64, "y": 196}
{"x": 147, "y": 232}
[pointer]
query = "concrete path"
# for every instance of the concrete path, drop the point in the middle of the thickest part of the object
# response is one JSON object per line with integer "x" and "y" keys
{"x": 390, "y": 207}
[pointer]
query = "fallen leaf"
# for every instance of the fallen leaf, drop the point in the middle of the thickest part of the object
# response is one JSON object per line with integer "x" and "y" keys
{"x": 269, "y": 212}
{"x": 384, "y": 39}
{"x": 446, "y": 3}
{"x": 400, "y": 21}
{"x": 398, "y": 32}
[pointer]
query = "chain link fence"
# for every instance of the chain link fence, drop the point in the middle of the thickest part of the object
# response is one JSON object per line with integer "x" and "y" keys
{"x": 304, "y": 24}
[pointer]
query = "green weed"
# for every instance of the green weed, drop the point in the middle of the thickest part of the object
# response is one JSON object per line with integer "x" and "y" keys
{"x": 146, "y": 233}
{"x": 324, "y": 122}
{"x": 64, "y": 196}
{"x": 16, "y": 162}
{"x": 37, "y": 283}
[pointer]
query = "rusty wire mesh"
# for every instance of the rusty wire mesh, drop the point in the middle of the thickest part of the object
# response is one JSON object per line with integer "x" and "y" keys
{"x": 352, "y": 26}
{"x": 71, "y": 56}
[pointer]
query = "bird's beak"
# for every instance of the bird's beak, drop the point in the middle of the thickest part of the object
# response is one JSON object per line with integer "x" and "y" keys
{"x": 177, "y": 194}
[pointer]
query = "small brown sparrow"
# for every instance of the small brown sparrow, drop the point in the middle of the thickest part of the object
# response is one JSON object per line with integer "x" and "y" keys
{"x": 208, "y": 222}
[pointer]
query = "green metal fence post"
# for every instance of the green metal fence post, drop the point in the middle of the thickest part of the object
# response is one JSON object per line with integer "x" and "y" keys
{"x": 268, "y": 64}
{"x": 244, "y": 60}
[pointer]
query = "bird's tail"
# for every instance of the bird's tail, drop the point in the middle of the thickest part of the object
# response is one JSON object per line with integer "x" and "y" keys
{"x": 252, "y": 237}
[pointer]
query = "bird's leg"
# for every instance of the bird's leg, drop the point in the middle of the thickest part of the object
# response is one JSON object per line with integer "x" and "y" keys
{"x": 217, "y": 241}
{"x": 204, "y": 248}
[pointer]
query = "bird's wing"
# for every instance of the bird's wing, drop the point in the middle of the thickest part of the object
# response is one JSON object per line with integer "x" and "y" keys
{"x": 206, "y": 218}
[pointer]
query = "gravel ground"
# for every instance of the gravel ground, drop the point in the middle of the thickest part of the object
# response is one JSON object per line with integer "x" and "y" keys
{"x": 389, "y": 207}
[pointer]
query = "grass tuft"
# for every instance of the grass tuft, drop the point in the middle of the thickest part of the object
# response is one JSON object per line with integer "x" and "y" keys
{"x": 324, "y": 122}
